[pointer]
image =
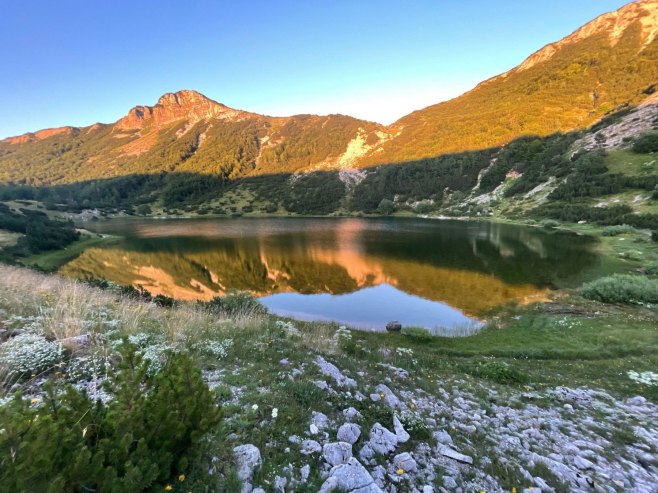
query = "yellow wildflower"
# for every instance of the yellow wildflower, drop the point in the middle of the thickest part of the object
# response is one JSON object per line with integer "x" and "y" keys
{"x": 169, "y": 487}
{"x": 181, "y": 477}
{"x": 400, "y": 472}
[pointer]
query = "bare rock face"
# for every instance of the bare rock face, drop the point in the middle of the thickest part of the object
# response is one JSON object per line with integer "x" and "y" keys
{"x": 190, "y": 105}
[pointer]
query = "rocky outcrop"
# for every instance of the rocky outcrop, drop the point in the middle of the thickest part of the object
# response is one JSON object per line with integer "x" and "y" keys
{"x": 190, "y": 105}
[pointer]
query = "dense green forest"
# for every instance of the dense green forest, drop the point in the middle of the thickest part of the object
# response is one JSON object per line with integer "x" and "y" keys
{"x": 39, "y": 233}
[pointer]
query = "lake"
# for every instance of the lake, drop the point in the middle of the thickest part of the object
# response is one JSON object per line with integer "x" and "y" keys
{"x": 442, "y": 275}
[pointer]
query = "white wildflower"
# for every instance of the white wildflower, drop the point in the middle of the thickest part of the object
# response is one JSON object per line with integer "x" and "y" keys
{"x": 275, "y": 413}
{"x": 288, "y": 328}
{"x": 254, "y": 407}
{"x": 30, "y": 353}
{"x": 645, "y": 377}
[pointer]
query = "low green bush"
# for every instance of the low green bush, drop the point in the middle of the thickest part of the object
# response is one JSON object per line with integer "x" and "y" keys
{"x": 236, "y": 303}
{"x": 549, "y": 223}
{"x": 497, "y": 371}
{"x": 622, "y": 288}
{"x": 646, "y": 143}
{"x": 651, "y": 269}
{"x": 147, "y": 434}
{"x": 617, "y": 230}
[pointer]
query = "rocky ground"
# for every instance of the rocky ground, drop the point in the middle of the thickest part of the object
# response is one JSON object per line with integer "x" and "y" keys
{"x": 460, "y": 437}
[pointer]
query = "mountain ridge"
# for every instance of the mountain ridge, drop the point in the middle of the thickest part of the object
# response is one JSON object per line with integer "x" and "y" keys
{"x": 607, "y": 63}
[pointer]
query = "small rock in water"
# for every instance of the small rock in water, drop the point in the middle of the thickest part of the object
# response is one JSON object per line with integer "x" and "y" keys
{"x": 394, "y": 326}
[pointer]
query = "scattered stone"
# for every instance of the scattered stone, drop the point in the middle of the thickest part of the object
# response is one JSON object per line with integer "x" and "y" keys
{"x": 310, "y": 447}
{"x": 638, "y": 400}
{"x": 313, "y": 429}
{"x": 304, "y": 473}
{"x": 337, "y": 453}
{"x": 449, "y": 483}
{"x": 582, "y": 463}
{"x": 320, "y": 420}
{"x": 442, "y": 437}
{"x": 394, "y": 326}
{"x": 280, "y": 484}
{"x": 351, "y": 414}
{"x": 405, "y": 462}
{"x": 247, "y": 459}
{"x": 382, "y": 441}
{"x": 349, "y": 432}
{"x": 350, "y": 477}
{"x": 453, "y": 454}
{"x": 389, "y": 397}
{"x": 398, "y": 372}
{"x": 400, "y": 432}
{"x": 429, "y": 489}
{"x": 284, "y": 362}
{"x": 321, "y": 384}
{"x": 330, "y": 370}
{"x": 77, "y": 344}
{"x": 366, "y": 453}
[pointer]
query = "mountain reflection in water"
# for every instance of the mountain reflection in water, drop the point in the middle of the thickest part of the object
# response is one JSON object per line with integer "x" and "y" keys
{"x": 467, "y": 267}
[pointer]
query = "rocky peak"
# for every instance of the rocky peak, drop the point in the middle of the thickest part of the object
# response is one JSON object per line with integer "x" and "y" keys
{"x": 186, "y": 104}
{"x": 613, "y": 24}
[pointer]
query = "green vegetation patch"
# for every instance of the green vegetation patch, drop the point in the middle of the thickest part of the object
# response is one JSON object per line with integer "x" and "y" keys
{"x": 622, "y": 288}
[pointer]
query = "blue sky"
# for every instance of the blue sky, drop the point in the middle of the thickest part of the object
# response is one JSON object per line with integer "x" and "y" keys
{"x": 76, "y": 62}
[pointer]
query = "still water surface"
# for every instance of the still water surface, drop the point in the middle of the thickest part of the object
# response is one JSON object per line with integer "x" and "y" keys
{"x": 362, "y": 272}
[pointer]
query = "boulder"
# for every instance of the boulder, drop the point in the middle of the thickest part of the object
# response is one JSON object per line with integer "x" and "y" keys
{"x": 400, "y": 432}
{"x": 394, "y": 326}
{"x": 405, "y": 462}
{"x": 349, "y": 432}
{"x": 382, "y": 441}
{"x": 310, "y": 447}
{"x": 337, "y": 453}
{"x": 350, "y": 477}
{"x": 247, "y": 459}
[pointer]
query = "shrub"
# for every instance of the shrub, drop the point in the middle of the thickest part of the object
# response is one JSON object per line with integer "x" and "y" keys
{"x": 236, "y": 303}
{"x": 651, "y": 269}
{"x": 148, "y": 433}
{"x": 29, "y": 354}
{"x": 498, "y": 371}
{"x": 419, "y": 334}
{"x": 654, "y": 235}
{"x": 622, "y": 288}
{"x": 617, "y": 230}
{"x": 386, "y": 207}
{"x": 549, "y": 223}
{"x": 646, "y": 143}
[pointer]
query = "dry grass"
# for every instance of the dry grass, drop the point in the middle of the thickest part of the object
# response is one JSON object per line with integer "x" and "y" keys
{"x": 68, "y": 308}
